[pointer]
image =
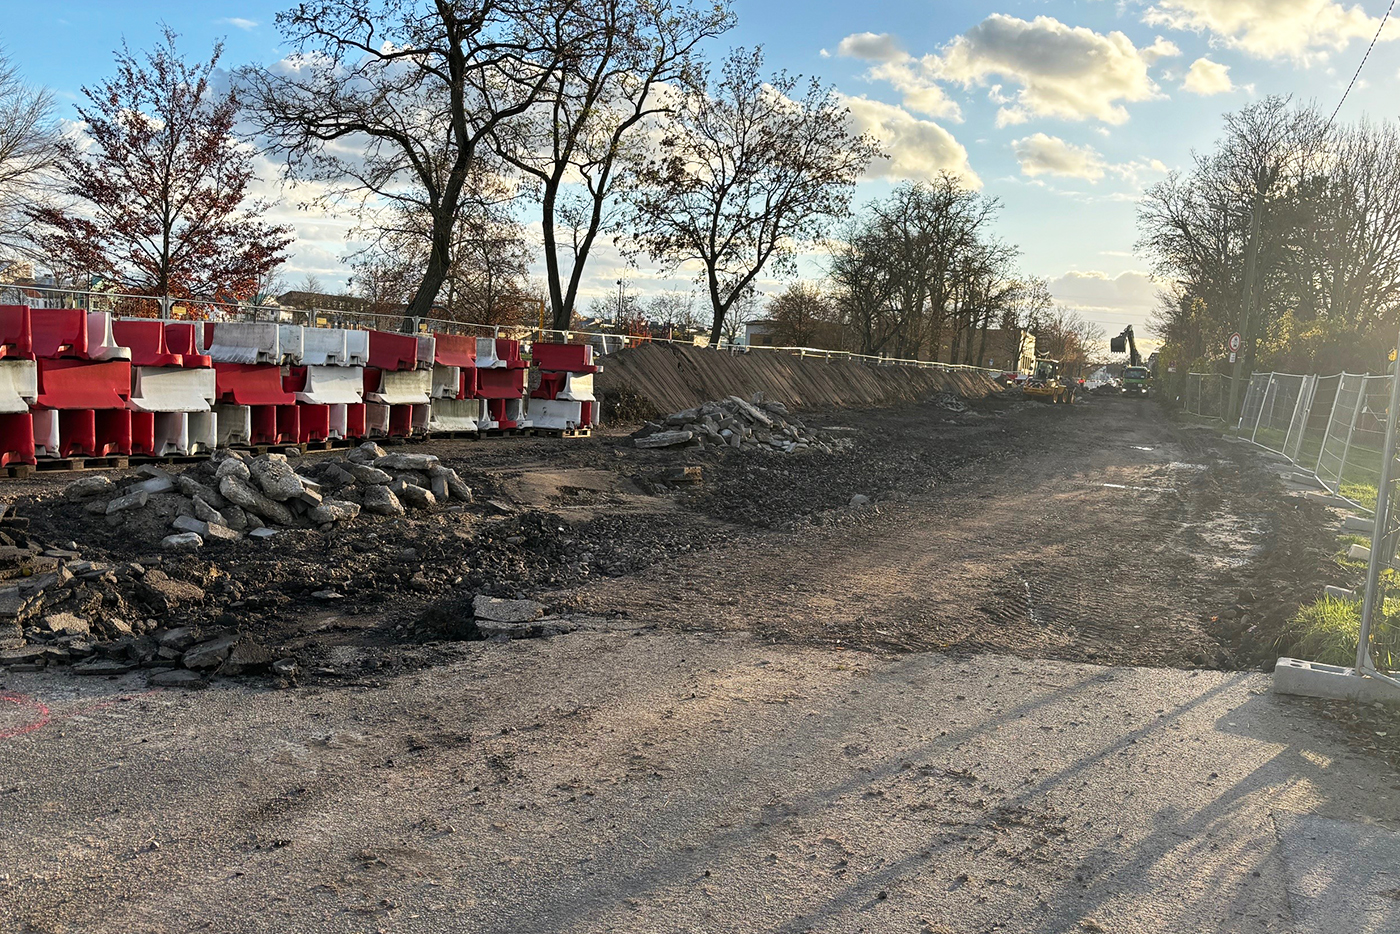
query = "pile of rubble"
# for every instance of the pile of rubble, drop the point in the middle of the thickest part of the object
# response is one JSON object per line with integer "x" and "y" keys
{"x": 734, "y": 423}
{"x": 237, "y": 495}
{"x": 950, "y": 401}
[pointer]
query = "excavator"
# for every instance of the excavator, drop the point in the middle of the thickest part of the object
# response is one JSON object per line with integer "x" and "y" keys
{"x": 1135, "y": 375}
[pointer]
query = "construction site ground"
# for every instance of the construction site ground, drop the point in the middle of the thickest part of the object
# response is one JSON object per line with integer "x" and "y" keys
{"x": 1018, "y": 689}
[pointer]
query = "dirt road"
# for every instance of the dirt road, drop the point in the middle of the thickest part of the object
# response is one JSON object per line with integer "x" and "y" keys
{"x": 914, "y": 715}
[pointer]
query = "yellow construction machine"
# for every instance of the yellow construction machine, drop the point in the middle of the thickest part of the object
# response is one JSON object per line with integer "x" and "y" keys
{"x": 1045, "y": 383}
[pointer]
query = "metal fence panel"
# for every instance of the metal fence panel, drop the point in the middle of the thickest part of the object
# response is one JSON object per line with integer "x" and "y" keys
{"x": 1253, "y": 402}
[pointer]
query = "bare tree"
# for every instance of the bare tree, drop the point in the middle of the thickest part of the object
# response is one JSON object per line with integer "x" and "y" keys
{"x": 803, "y": 316}
{"x": 311, "y": 283}
{"x": 28, "y": 149}
{"x": 673, "y": 311}
{"x": 600, "y": 101}
{"x": 746, "y": 174}
{"x": 393, "y": 101}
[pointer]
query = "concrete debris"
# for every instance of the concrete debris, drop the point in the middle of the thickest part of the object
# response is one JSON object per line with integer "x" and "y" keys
{"x": 262, "y": 533}
{"x": 182, "y": 541}
{"x": 497, "y": 610}
{"x": 88, "y": 487}
{"x": 178, "y": 678}
{"x": 276, "y": 477}
{"x": 1358, "y": 524}
{"x": 128, "y": 501}
{"x": 210, "y": 654}
{"x": 364, "y": 473}
{"x": 860, "y": 499}
{"x": 949, "y": 400}
{"x": 736, "y": 424}
{"x": 381, "y": 501}
{"x": 1359, "y": 553}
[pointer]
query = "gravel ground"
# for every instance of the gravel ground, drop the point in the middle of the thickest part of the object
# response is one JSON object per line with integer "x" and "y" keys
{"x": 665, "y": 782}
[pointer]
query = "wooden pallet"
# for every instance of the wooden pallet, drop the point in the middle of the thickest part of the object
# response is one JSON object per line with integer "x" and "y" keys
{"x": 462, "y": 435}
{"x": 257, "y": 449}
{"x": 332, "y": 444}
{"x": 503, "y": 432}
{"x": 169, "y": 459}
{"x": 562, "y": 432}
{"x": 110, "y": 462}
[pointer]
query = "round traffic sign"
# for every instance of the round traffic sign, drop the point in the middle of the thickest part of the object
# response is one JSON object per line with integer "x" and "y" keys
{"x": 1235, "y": 342}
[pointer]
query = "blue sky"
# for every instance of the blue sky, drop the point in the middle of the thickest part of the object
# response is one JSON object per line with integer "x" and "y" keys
{"x": 1062, "y": 109}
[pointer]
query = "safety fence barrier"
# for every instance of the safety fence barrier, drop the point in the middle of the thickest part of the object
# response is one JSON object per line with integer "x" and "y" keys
{"x": 1334, "y": 427}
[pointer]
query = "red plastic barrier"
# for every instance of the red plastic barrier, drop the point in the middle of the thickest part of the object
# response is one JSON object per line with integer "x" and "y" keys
{"x": 16, "y": 335}
{"x": 570, "y": 358}
{"x": 81, "y": 384}
{"x": 143, "y": 432}
{"x": 355, "y": 421}
{"x": 551, "y": 384}
{"x": 59, "y": 332}
{"x": 17, "y": 438}
{"x": 455, "y": 350}
{"x": 586, "y": 412}
{"x": 500, "y": 384}
{"x": 180, "y": 338}
{"x": 496, "y": 409}
{"x": 391, "y": 351}
{"x": 146, "y": 338}
{"x": 400, "y": 421}
{"x": 314, "y": 422}
{"x": 288, "y": 424}
{"x": 509, "y": 351}
{"x": 295, "y": 380}
{"x": 251, "y": 384}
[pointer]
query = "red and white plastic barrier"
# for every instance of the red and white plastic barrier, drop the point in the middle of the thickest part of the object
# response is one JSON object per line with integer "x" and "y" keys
{"x": 564, "y": 399}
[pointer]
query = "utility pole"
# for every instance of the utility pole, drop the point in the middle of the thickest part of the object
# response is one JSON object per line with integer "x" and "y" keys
{"x": 1251, "y": 256}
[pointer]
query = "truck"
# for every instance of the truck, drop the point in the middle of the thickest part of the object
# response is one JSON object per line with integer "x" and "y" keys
{"x": 1046, "y": 384}
{"x": 1136, "y": 376}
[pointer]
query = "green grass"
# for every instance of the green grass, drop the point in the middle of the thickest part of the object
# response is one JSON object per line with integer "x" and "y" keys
{"x": 1326, "y": 631}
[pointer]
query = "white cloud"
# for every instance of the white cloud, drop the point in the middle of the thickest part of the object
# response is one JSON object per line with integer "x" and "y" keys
{"x": 1113, "y": 301}
{"x": 1301, "y": 30}
{"x": 1062, "y": 71}
{"x": 1206, "y": 77}
{"x": 871, "y": 47}
{"x": 913, "y": 78}
{"x": 914, "y": 148}
{"x": 247, "y": 25}
{"x": 1039, "y": 154}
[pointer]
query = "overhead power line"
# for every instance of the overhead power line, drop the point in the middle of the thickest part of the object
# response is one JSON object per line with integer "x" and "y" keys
{"x": 1362, "y": 65}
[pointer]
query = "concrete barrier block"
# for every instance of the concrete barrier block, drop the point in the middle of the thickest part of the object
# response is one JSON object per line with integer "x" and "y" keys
{"x": 1359, "y": 553}
{"x": 457, "y": 414}
{"x": 1358, "y": 524}
{"x": 1338, "y": 593}
{"x": 376, "y": 420}
{"x": 1314, "y": 679}
{"x": 427, "y": 351}
{"x": 234, "y": 424}
{"x": 557, "y": 414}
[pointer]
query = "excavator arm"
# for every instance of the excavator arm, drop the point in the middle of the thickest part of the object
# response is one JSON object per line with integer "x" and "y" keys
{"x": 1124, "y": 343}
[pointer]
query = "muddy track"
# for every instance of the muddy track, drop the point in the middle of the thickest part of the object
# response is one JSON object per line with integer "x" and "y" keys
{"x": 1102, "y": 532}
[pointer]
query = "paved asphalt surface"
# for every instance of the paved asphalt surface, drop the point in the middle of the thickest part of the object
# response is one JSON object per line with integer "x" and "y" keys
{"x": 650, "y": 782}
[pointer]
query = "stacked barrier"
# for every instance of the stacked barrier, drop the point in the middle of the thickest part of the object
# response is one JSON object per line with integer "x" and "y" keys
{"x": 564, "y": 399}
{"x": 172, "y": 388}
{"x": 398, "y": 383}
{"x": 19, "y": 385}
{"x": 501, "y": 377}
{"x": 251, "y": 405}
{"x": 326, "y": 375}
{"x": 81, "y": 406}
{"x": 455, "y": 405}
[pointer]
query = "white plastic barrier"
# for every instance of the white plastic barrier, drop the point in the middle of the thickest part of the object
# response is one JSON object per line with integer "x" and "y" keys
{"x": 333, "y": 385}
{"x": 376, "y": 420}
{"x": 234, "y": 424}
{"x": 323, "y": 347}
{"x": 557, "y": 414}
{"x": 19, "y": 385}
{"x": 46, "y": 432}
{"x": 172, "y": 389}
{"x": 447, "y": 381}
{"x": 427, "y": 351}
{"x": 246, "y": 342}
{"x": 101, "y": 344}
{"x": 516, "y": 410}
{"x": 578, "y": 387}
{"x": 486, "y": 358}
{"x": 402, "y": 387}
{"x": 291, "y": 340}
{"x": 422, "y": 414}
{"x": 185, "y": 433}
{"x": 458, "y": 415}
{"x": 356, "y": 348}
{"x": 339, "y": 422}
